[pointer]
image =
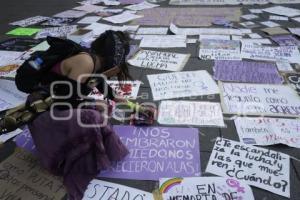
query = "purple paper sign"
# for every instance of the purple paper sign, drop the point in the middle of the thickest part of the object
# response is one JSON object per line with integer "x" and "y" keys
{"x": 247, "y": 72}
{"x": 286, "y": 40}
{"x": 24, "y": 140}
{"x": 130, "y": 1}
{"x": 157, "y": 152}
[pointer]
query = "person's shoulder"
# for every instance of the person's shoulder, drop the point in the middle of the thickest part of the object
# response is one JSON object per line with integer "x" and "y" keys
{"x": 82, "y": 61}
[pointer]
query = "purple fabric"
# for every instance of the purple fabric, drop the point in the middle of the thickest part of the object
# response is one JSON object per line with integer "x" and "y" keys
{"x": 247, "y": 72}
{"x": 77, "y": 153}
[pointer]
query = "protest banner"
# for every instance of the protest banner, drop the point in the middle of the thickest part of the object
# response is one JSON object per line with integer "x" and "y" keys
{"x": 159, "y": 60}
{"x": 157, "y": 152}
{"x": 182, "y": 84}
{"x": 268, "y": 131}
{"x": 98, "y": 189}
{"x": 263, "y": 168}
{"x": 247, "y": 72}
{"x": 23, "y": 178}
{"x": 190, "y": 113}
{"x": 208, "y": 188}
{"x": 259, "y": 99}
{"x": 219, "y": 50}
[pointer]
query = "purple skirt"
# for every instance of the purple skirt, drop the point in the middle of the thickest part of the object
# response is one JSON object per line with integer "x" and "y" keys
{"x": 74, "y": 152}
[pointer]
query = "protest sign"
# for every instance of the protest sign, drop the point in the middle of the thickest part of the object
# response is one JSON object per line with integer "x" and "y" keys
{"x": 263, "y": 168}
{"x": 268, "y": 131}
{"x": 5, "y": 137}
{"x": 23, "y": 31}
{"x": 281, "y": 10}
{"x": 286, "y": 40}
{"x": 23, "y": 178}
{"x": 58, "y": 21}
{"x": 153, "y": 31}
{"x": 10, "y": 95}
{"x": 125, "y": 89}
{"x": 259, "y": 99}
{"x": 122, "y": 18}
{"x": 30, "y": 21}
{"x": 229, "y": 2}
{"x": 98, "y": 189}
{"x": 294, "y": 80}
{"x": 159, "y": 60}
{"x": 62, "y": 31}
{"x": 284, "y": 66}
{"x": 295, "y": 31}
{"x": 190, "y": 113}
{"x": 257, "y": 52}
{"x": 163, "y": 41}
{"x": 208, "y": 188}
{"x": 70, "y": 14}
{"x": 10, "y": 62}
{"x": 247, "y": 72}
{"x": 192, "y": 16}
{"x": 157, "y": 152}
{"x": 18, "y": 44}
{"x": 219, "y": 50}
{"x": 182, "y": 84}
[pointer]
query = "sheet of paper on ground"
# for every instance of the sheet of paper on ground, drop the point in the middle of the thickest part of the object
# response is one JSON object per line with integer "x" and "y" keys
{"x": 127, "y": 89}
{"x": 159, "y": 60}
{"x": 263, "y": 168}
{"x": 23, "y": 178}
{"x": 214, "y": 188}
{"x": 98, "y": 189}
{"x": 190, "y": 113}
{"x": 219, "y": 50}
{"x": 163, "y": 41}
{"x": 258, "y": 99}
{"x": 247, "y": 72}
{"x": 182, "y": 84}
{"x": 257, "y": 52}
{"x": 10, "y": 96}
{"x": 157, "y": 152}
{"x": 268, "y": 131}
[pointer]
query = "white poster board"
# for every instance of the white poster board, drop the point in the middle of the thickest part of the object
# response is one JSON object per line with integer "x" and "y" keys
{"x": 215, "y": 188}
{"x": 125, "y": 89}
{"x": 190, "y": 113}
{"x": 182, "y": 84}
{"x": 211, "y": 49}
{"x": 159, "y": 60}
{"x": 98, "y": 189}
{"x": 268, "y": 131}
{"x": 263, "y": 168}
{"x": 259, "y": 99}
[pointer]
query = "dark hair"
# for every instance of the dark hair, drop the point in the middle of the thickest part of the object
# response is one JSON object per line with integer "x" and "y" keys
{"x": 104, "y": 46}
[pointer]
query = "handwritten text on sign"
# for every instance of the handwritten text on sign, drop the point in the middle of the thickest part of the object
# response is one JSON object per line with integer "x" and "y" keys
{"x": 206, "y": 188}
{"x": 278, "y": 100}
{"x": 157, "y": 152}
{"x": 190, "y": 113}
{"x": 182, "y": 84}
{"x": 266, "y": 169}
{"x": 219, "y": 50}
{"x": 268, "y": 131}
{"x": 103, "y": 190}
{"x": 159, "y": 60}
{"x": 23, "y": 178}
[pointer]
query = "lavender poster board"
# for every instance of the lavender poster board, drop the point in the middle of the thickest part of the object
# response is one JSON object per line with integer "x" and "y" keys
{"x": 286, "y": 40}
{"x": 157, "y": 152}
{"x": 247, "y": 72}
{"x": 130, "y": 1}
{"x": 186, "y": 16}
